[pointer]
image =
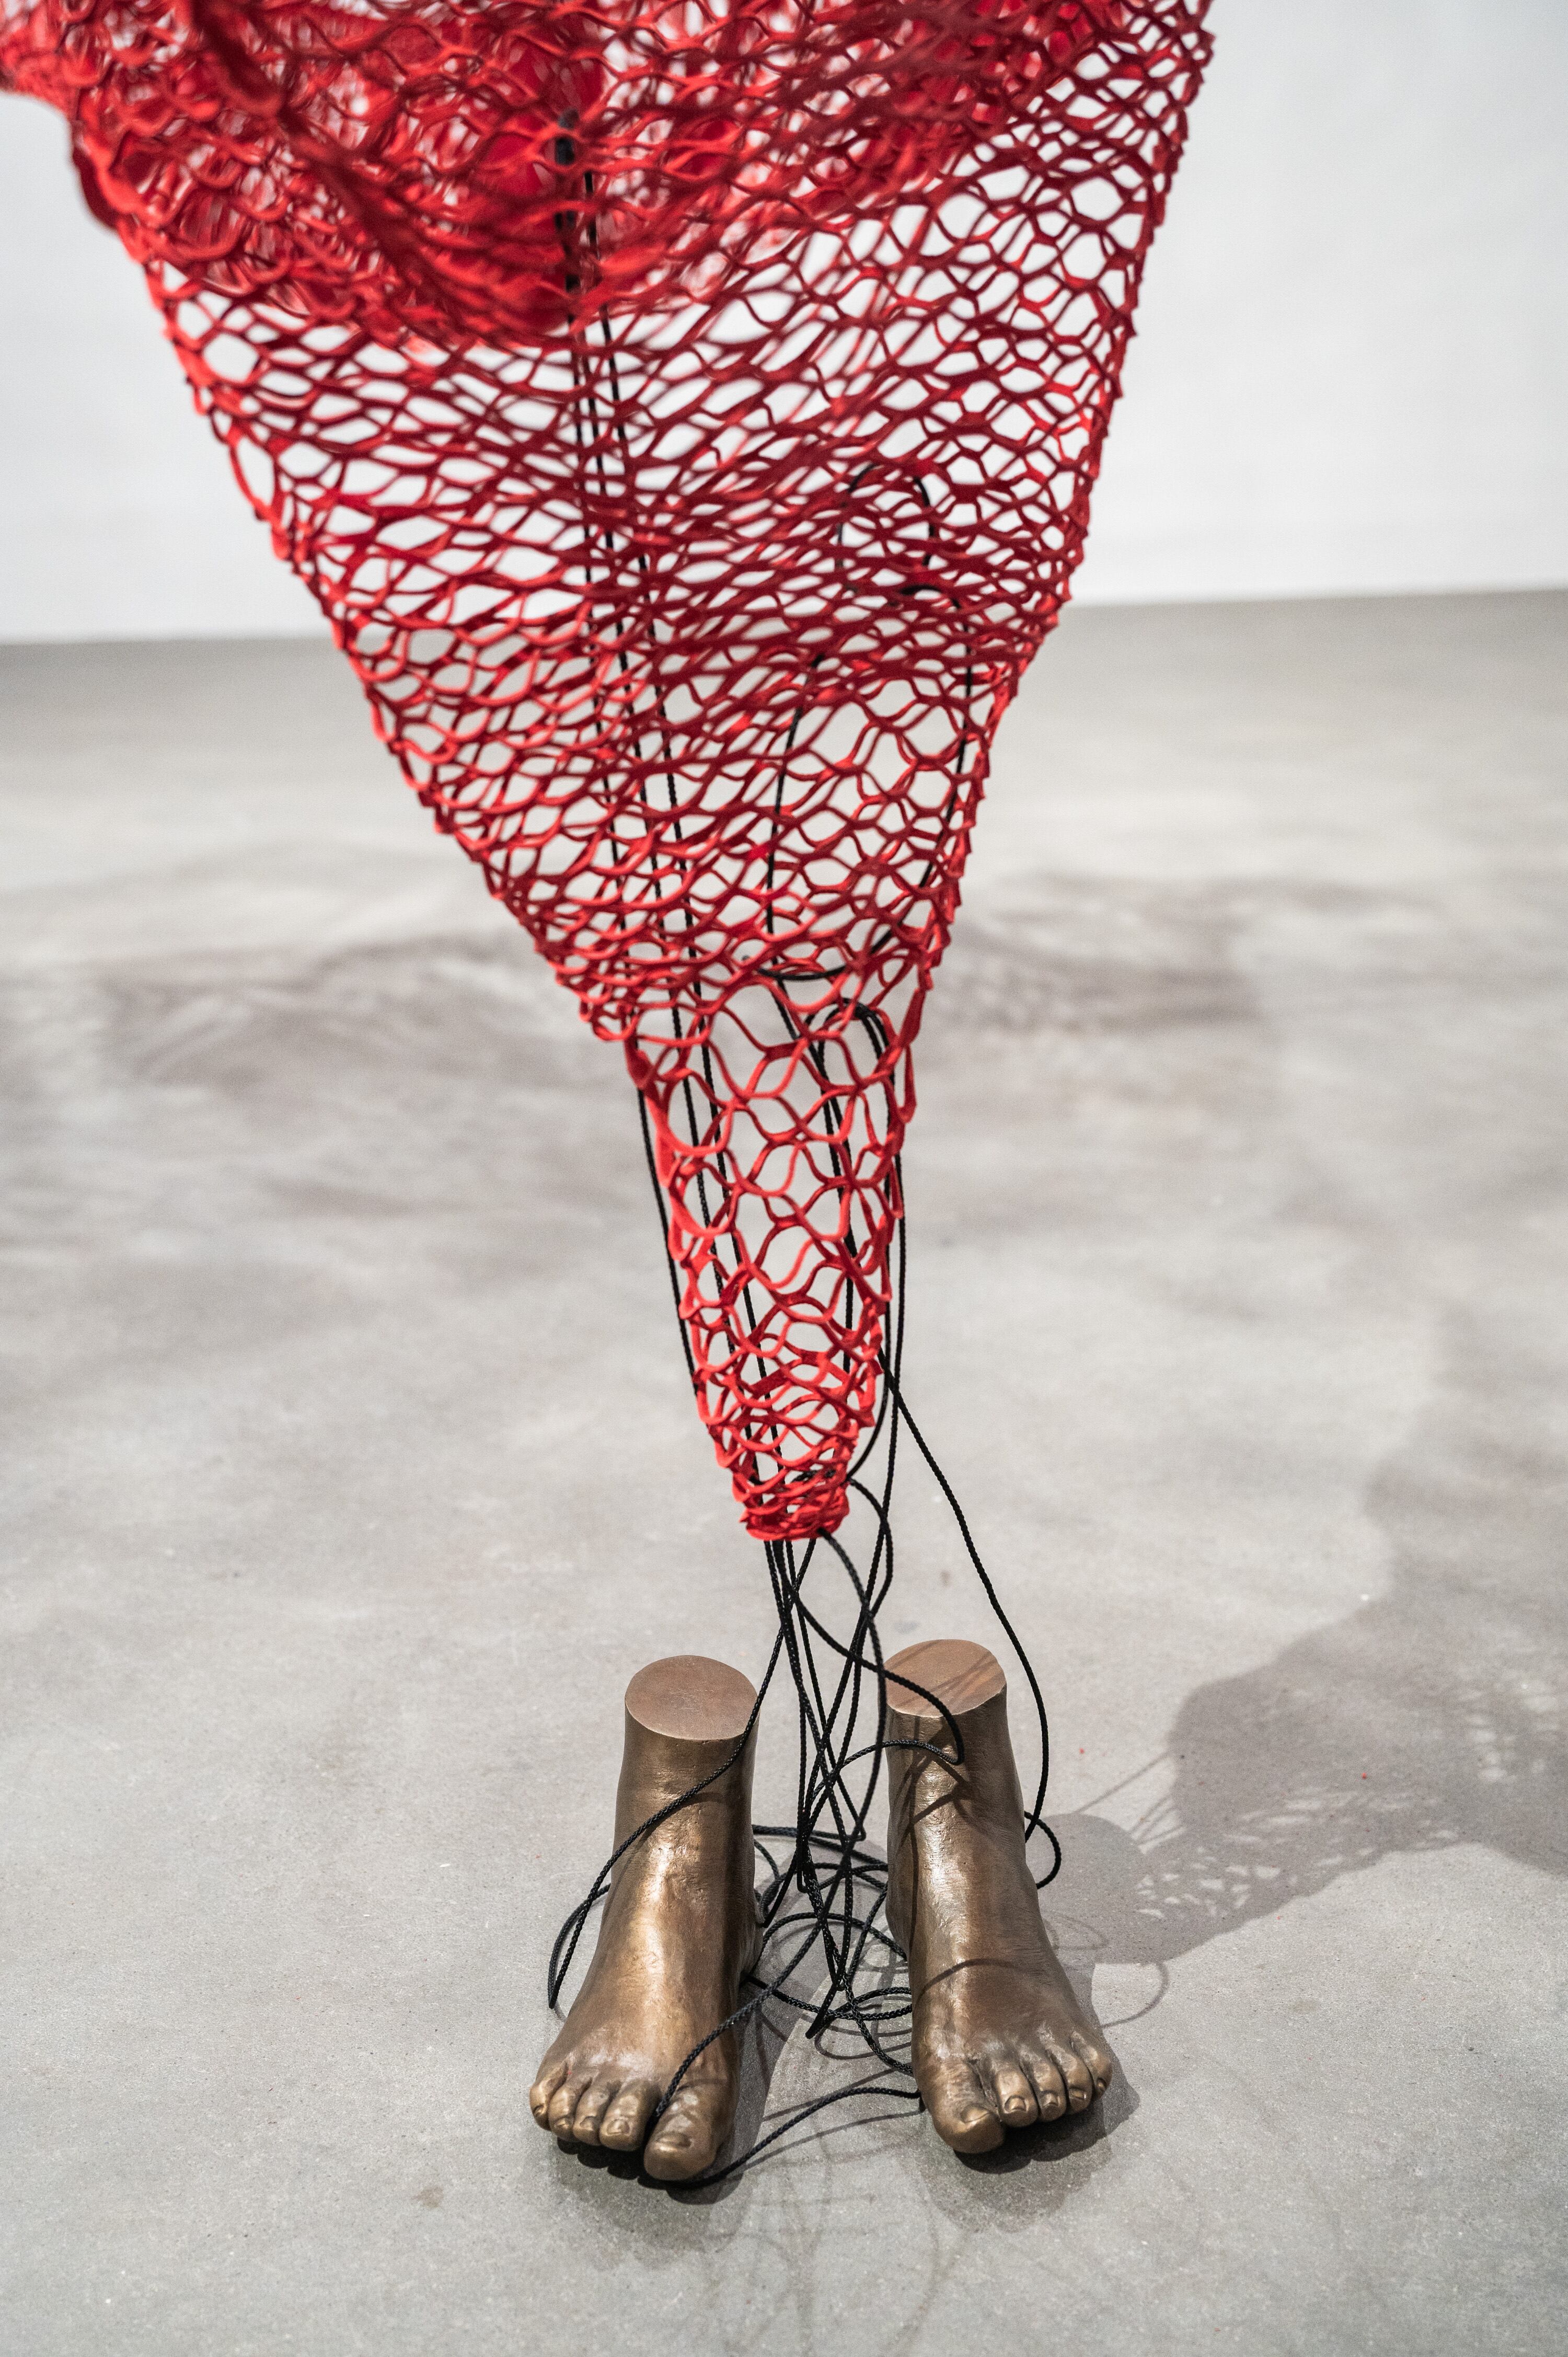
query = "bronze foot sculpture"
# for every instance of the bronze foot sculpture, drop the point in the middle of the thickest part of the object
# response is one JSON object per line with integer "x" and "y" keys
{"x": 999, "y": 2038}
{"x": 680, "y": 1929}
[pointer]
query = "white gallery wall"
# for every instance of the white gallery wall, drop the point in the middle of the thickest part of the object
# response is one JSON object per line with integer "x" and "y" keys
{"x": 1351, "y": 371}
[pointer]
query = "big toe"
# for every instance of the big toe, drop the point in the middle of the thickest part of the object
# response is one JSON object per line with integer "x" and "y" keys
{"x": 961, "y": 2114}
{"x": 688, "y": 2136}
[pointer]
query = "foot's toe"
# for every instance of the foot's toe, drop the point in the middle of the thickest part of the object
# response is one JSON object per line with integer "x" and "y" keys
{"x": 1050, "y": 2092}
{"x": 564, "y": 2103}
{"x": 1075, "y": 2077}
{"x": 1015, "y": 2097}
{"x": 687, "y": 2137}
{"x": 1097, "y": 2062}
{"x": 959, "y": 2111}
{"x": 625, "y": 2124}
{"x": 551, "y": 2075}
{"x": 591, "y": 2105}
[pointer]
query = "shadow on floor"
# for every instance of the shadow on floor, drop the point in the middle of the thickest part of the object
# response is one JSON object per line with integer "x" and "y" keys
{"x": 1435, "y": 1715}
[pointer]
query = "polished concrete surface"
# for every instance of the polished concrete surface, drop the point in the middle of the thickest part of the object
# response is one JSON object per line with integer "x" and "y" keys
{"x": 349, "y": 1472}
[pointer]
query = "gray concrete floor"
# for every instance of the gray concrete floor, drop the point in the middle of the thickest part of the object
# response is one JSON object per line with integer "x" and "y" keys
{"x": 350, "y": 1472}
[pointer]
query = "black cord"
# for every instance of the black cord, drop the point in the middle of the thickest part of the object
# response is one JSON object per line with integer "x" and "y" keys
{"x": 839, "y": 1882}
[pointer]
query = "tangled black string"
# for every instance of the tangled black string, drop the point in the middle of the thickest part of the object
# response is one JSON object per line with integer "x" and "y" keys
{"x": 829, "y": 1891}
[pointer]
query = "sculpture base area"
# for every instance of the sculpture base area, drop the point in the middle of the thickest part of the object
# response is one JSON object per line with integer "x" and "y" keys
{"x": 648, "y": 2056}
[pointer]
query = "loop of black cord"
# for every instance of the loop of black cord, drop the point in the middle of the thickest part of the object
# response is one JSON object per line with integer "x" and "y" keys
{"x": 839, "y": 1883}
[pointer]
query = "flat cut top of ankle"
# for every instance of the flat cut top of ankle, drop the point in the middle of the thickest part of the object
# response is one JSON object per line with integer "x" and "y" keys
{"x": 962, "y": 1675}
{"x": 692, "y": 1699}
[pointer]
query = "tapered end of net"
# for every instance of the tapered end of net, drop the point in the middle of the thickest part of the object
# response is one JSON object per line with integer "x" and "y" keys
{"x": 775, "y": 1141}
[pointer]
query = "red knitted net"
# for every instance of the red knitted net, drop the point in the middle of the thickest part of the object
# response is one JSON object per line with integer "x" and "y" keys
{"x": 685, "y": 416}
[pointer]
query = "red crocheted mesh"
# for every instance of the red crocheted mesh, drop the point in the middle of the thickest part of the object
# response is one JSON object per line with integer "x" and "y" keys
{"x": 685, "y": 416}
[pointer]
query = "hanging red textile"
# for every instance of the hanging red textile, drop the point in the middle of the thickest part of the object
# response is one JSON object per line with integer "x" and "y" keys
{"x": 685, "y": 416}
